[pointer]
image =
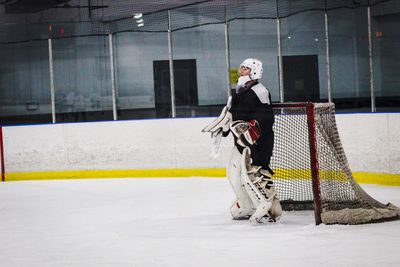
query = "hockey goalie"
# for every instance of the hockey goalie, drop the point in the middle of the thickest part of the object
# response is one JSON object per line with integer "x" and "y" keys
{"x": 248, "y": 115}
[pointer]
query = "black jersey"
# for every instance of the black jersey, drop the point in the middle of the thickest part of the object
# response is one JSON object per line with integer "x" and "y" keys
{"x": 247, "y": 106}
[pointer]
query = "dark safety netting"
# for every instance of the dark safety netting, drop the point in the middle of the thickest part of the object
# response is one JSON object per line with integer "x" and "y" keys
{"x": 66, "y": 19}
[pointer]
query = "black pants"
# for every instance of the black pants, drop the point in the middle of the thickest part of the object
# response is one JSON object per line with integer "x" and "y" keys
{"x": 261, "y": 152}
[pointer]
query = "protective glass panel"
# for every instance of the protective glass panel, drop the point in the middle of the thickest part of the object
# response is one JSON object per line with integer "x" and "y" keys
{"x": 199, "y": 60}
{"x": 386, "y": 55}
{"x": 348, "y": 37}
{"x": 82, "y": 79}
{"x": 304, "y": 52}
{"x": 253, "y": 33}
{"x": 135, "y": 52}
{"x": 25, "y": 83}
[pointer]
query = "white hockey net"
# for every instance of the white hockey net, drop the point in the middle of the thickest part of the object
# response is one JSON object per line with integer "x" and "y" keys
{"x": 311, "y": 168}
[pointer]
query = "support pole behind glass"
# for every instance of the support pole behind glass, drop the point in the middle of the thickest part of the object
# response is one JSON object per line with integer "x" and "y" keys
{"x": 51, "y": 67}
{"x": 171, "y": 66}
{"x": 278, "y": 29}
{"x": 228, "y": 67}
{"x": 113, "y": 92}
{"x": 371, "y": 64}
{"x": 328, "y": 64}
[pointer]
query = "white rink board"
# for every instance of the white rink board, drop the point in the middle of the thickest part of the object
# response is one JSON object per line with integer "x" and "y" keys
{"x": 370, "y": 141}
{"x": 141, "y": 144}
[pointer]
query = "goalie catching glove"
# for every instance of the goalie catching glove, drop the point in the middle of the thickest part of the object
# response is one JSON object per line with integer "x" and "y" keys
{"x": 247, "y": 133}
{"x": 220, "y": 124}
{"x": 219, "y": 128}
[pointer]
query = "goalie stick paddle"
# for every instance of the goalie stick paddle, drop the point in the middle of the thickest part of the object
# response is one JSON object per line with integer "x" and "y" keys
{"x": 216, "y": 149}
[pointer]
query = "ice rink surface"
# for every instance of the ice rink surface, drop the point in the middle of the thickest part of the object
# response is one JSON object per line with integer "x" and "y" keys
{"x": 174, "y": 222}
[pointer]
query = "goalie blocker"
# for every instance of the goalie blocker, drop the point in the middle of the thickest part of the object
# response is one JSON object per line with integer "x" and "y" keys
{"x": 246, "y": 133}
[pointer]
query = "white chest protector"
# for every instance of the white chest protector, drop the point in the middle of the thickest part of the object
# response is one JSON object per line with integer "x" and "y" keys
{"x": 259, "y": 89}
{"x": 262, "y": 93}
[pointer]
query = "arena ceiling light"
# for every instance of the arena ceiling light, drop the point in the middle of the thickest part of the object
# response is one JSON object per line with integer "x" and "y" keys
{"x": 137, "y": 15}
{"x": 139, "y": 19}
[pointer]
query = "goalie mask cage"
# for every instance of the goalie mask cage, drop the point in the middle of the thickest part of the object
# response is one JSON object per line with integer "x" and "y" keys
{"x": 311, "y": 168}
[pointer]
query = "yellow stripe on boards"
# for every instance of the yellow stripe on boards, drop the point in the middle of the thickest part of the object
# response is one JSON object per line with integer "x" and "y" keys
{"x": 360, "y": 177}
{"x": 340, "y": 176}
{"x": 377, "y": 178}
{"x": 91, "y": 174}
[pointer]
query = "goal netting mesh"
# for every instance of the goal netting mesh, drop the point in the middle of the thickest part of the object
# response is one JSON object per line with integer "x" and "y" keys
{"x": 312, "y": 171}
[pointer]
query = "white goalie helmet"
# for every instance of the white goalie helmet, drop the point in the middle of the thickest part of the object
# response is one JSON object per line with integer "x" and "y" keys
{"x": 256, "y": 67}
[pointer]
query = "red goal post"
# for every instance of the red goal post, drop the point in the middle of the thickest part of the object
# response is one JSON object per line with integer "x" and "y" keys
{"x": 3, "y": 172}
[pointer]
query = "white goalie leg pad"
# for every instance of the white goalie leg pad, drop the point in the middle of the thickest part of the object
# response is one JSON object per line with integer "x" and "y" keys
{"x": 261, "y": 191}
{"x": 262, "y": 203}
{"x": 263, "y": 180}
{"x": 242, "y": 207}
{"x": 239, "y": 211}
